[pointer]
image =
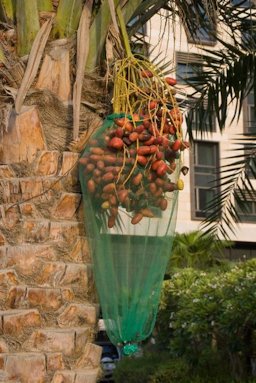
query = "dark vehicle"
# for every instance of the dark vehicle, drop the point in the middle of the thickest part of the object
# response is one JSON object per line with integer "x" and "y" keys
{"x": 109, "y": 358}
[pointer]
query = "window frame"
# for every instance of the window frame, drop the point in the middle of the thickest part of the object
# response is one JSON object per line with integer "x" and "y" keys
{"x": 247, "y": 130}
{"x": 194, "y": 122}
{"x": 184, "y": 58}
{"x": 247, "y": 220}
{"x": 143, "y": 30}
{"x": 194, "y": 208}
{"x": 211, "y": 41}
{"x": 248, "y": 33}
{"x": 251, "y": 4}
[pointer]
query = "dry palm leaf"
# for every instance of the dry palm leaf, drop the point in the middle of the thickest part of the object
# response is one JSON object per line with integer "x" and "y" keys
{"x": 82, "y": 53}
{"x": 33, "y": 62}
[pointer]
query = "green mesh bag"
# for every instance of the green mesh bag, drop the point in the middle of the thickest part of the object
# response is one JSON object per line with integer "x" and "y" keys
{"x": 130, "y": 207}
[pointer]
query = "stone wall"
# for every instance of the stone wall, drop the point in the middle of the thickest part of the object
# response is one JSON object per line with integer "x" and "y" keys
{"x": 48, "y": 313}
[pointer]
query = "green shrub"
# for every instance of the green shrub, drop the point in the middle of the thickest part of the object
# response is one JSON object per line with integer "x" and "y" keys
{"x": 134, "y": 370}
{"x": 206, "y": 324}
{"x": 171, "y": 370}
{"x": 161, "y": 368}
{"x": 151, "y": 368}
{"x": 206, "y": 317}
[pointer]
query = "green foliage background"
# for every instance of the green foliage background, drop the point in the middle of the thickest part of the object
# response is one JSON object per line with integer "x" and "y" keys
{"x": 208, "y": 316}
{"x": 206, "y": 329}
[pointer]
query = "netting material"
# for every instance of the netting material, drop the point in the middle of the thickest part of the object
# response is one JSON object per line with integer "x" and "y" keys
{"x": 129, "y": 174}
{"x": 129, "y": 259}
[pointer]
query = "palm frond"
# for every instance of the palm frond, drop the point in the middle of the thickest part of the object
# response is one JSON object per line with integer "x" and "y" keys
{"x": 196, "y": 13}
{"x": 228, "y": 77}
{"x": 232, "y": 16}
{"x": 236, "y": 191}
{"x": 45, "y": 5}
{"x": 144, "y": 12}
{"x": 101, "y": 22}
{"x": 7, "y": 10}
{"x": 27, "y": 25}
{"x": 67, "y": 18}
{"x": 196, "y": 249}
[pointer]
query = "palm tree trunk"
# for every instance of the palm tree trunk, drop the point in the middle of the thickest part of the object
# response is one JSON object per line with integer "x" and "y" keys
{"x": 47, "y": 294}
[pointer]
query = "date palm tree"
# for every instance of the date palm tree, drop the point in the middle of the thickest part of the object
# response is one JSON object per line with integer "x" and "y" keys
{"x": 55, "y": 60}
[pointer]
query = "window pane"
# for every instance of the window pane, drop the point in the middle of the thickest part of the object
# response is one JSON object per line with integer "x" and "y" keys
{"x": 205, "y": 198}
{"x": 205, "y": 174}
{"x": 248, "y": 34}
{"x": 206, "y": 154}
{"x": 252, "y": 168}
{"x": 204, "y": 34}
{"x": 249, "y": 212}
{"x": 250, "y": 98}
{"x": 187, "y": 71}
{"x": 252, "y": 113}
{"x": 204, "y": 180}
{"x": 250, "y": 117}
{"x": 201, "y": 28}
{"x": 248, "y": 218}
{"x": 243, "y": 3}
{"x": 142, "y": 28}
{"x": 199, "y": 120}
{"x": 205, "y": 169}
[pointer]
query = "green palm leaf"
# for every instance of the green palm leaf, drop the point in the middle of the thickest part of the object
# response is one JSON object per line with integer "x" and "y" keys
{"x": 237, "y": 190}
{"x": 67, "y": 18}
{"x": 215, "y": 89}
{"x": 196, "y": 249}
{"x": 143, "y": 13}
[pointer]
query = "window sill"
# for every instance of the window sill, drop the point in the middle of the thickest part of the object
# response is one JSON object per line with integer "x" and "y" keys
{"x": 202, "y": 42}
{"x": 196, "y": 218}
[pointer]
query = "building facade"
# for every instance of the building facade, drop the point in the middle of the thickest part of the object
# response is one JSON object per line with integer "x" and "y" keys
{"x": 210, "y": 149}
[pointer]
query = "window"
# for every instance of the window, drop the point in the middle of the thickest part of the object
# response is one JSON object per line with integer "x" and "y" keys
{"x": 136, "y": 23}
{"x": 201, "y": 28}
{"x": 249, "y": 115}
{"x": 206, "y": 164}
{"x": 251, "y": 168}
{"x": 248, "y": 34}
{"x": 188, "y": 67}
{"x": 186, "y": 71}
{"x": 248, "y": 213}
{"x": 200, "y": 121}
{"x": 243, "y": 3}
{"x": 139, "y": 31}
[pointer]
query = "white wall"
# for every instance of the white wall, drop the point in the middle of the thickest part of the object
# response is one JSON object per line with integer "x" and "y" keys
{"x": 175, "y": 40}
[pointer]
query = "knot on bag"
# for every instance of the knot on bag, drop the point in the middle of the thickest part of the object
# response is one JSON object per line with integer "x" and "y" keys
{"x": 130, "y": 348}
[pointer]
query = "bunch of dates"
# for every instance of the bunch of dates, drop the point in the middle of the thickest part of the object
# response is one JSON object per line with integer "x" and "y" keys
{"x": 130, "y": 165}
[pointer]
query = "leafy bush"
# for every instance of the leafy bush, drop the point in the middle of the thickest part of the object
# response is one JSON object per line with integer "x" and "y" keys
{"x": 152, "y": 368}
{"x": 161, "y": 368}
{"x": 206, "y": 317}
{"x": 207, "y": 325}
{"x": 134, "y": 370}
